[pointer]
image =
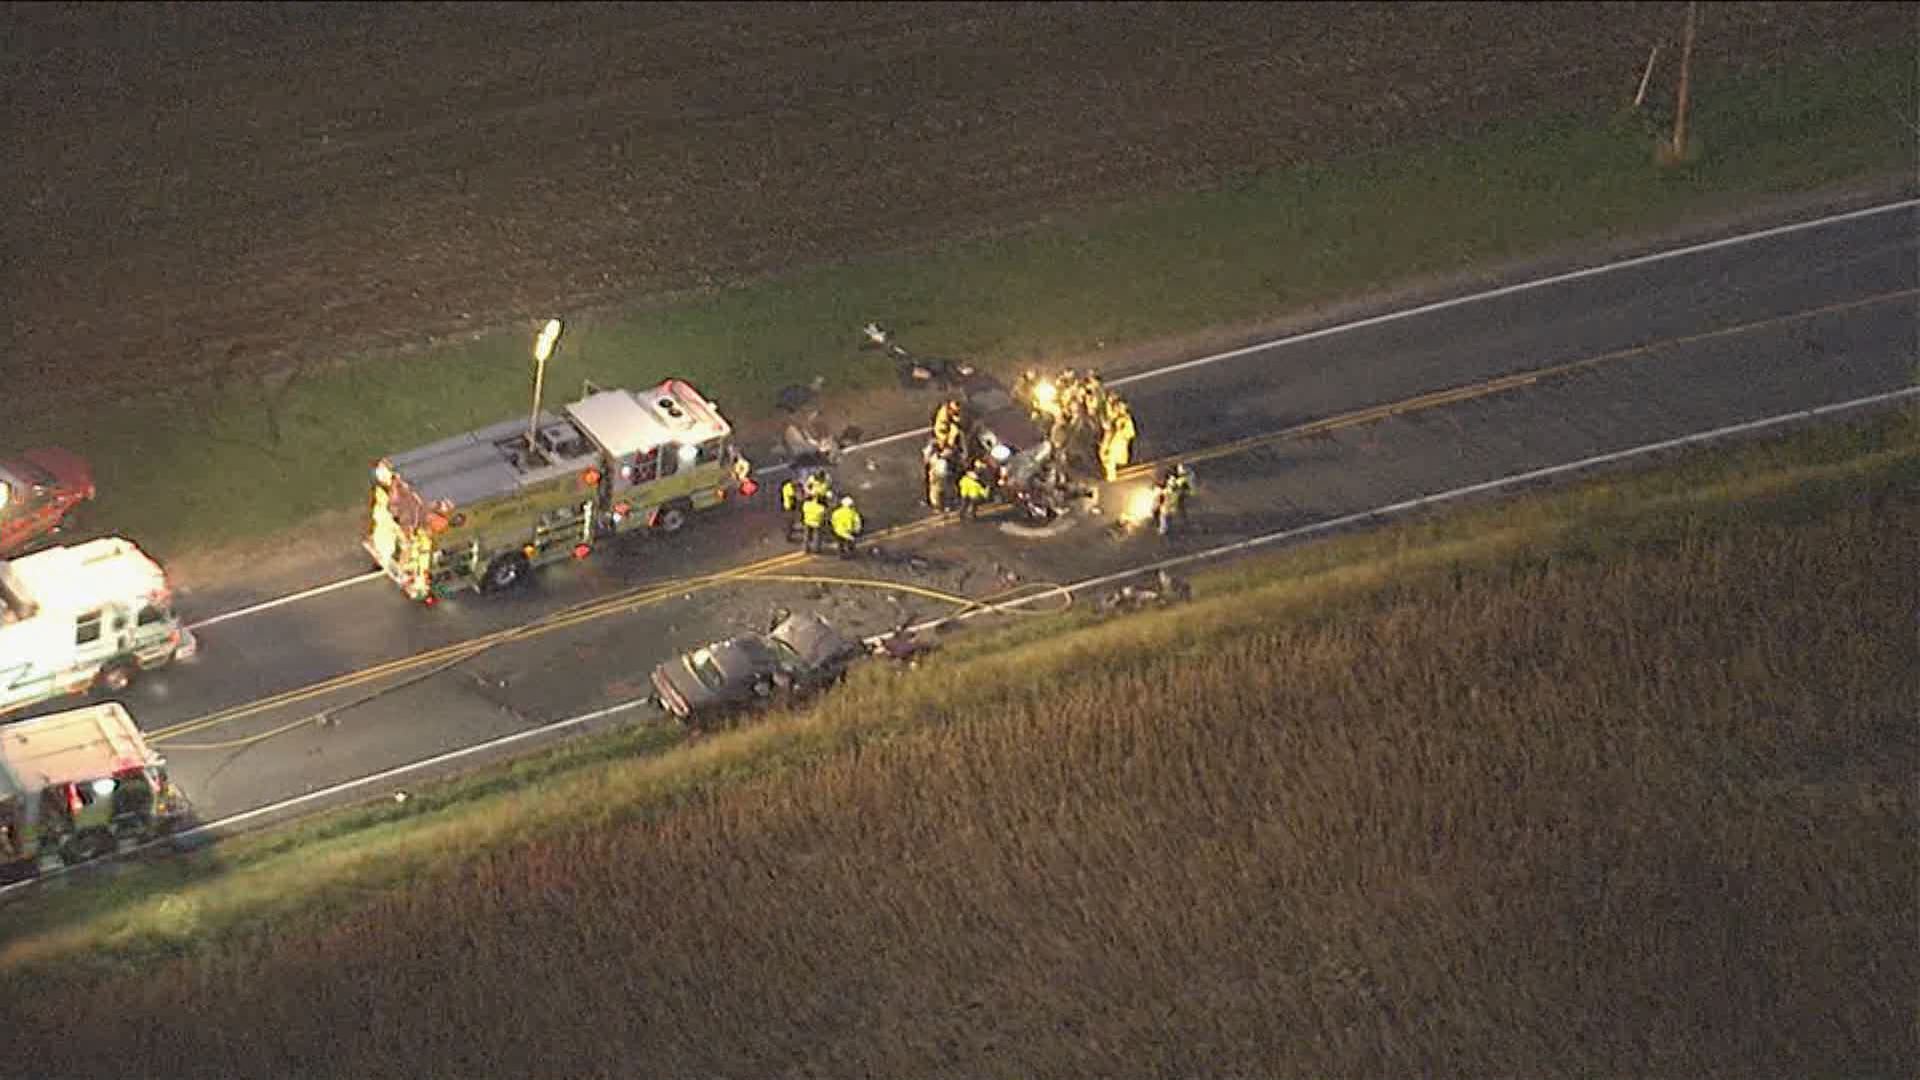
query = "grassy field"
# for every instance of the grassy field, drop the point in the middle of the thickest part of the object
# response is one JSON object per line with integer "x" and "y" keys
{"x": 1606, "y": 781}
{"x": 256, "y": 457}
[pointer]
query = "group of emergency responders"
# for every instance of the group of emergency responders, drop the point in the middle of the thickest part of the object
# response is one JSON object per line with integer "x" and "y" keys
{"x": 960, "y": 473}
{"x": 1079, "y": 410}
{"x": 1084, "y": 421}
{"x": 807, "y": 497}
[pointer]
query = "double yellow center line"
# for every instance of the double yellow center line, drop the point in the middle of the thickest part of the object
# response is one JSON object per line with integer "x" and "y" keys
{"x": 633, "y": 599}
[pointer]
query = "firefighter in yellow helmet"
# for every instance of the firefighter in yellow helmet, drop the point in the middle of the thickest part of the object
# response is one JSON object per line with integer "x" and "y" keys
{"x": 846, "y": 526}
{"x": 1116, "y": 438}
{"x": 813, "y": 518}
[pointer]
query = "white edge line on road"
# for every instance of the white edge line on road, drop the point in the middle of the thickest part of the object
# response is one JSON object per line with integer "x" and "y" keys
{"x": 1477, "y": 297}
{"x": 1329, "y": 525}
{"x": 1427, "y": 500}
{"x": 210, "y": 828}
{"x": 293, "y": 598}
{"x": 1276, "y": 343}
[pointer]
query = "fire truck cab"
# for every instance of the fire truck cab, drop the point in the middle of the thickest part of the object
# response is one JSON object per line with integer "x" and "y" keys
{"x": 89, "y": 616}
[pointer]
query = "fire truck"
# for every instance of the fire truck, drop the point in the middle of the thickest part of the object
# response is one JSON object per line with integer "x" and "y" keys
{"x": 90, "y": 616}
{"x": 480, "y": 510}
{"x": 75, "y": 784}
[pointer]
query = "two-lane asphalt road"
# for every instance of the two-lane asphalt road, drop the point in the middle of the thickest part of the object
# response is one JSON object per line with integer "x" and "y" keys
{"x": 1627, "y": 354}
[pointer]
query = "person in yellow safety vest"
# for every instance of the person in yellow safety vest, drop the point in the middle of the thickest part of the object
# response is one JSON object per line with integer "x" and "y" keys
{"x": 1116, "y": 439}
{"x": 813, "y": 518}
{"x": 790, "y": 506}
{"x": 974, "y": 492}
{"x": 846, "y": 526}
{"x": 818, "y": 485}
{"x": 949, "y": 424}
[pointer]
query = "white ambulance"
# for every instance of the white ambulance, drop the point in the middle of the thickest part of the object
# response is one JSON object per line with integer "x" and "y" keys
{"x": 87, "y": 617}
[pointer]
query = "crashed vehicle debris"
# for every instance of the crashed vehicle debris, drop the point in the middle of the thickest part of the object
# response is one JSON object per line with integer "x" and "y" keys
{"x": 802, "y": 653}
{"x": 39, "y": 492}
{"x": 916, "y": 372}
{"x": 991, "y": 429}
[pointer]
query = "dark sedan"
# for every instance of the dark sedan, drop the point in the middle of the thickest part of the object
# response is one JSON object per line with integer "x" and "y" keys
{"x": 801, "y": 653}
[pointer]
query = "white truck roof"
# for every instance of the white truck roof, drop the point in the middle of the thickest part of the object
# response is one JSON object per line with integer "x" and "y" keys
{"x": 625, "y": 422}
{"x": 71, "y": 747}
{"x": 79, "y": 578}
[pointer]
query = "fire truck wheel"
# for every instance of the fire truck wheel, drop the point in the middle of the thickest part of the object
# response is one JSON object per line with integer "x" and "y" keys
{"x": 504, "y": 573}
{"x": 116, "y": 677}
{"x": 672, "y": 518}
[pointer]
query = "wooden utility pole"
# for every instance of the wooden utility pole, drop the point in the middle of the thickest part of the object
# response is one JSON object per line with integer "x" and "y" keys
{"x": 1686, "y": 72}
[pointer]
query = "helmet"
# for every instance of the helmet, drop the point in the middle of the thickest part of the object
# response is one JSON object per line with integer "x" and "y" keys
{"x": 846, "y": 500}
{"x": 1181, "y": 470}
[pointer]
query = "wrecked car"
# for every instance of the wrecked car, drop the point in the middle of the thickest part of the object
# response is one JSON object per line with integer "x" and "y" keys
{"x": 801, "y": 653}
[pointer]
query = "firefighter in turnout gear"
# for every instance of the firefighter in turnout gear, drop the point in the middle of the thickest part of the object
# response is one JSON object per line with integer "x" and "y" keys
{"x": 950, "y": 424}
{"x": 813, "y": 518}
{"x": 1116, "y": 438}
{"x": 1090, "y": 403}
{"x": 790, "y": 505}
{"x": 1170, "y": 501}
{"x": 1025, "y": 390}
{"x": 940, "y": 466}
{"x": 846, "y": 526}
{"x": 975, "y": 490}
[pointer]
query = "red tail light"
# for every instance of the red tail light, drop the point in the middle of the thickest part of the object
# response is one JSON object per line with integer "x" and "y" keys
{"x": 748, "y": 487}
{"x": 581, "y": 551}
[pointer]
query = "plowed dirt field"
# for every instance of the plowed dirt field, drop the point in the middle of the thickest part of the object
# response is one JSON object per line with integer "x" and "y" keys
{"x": 205, "y": 190}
